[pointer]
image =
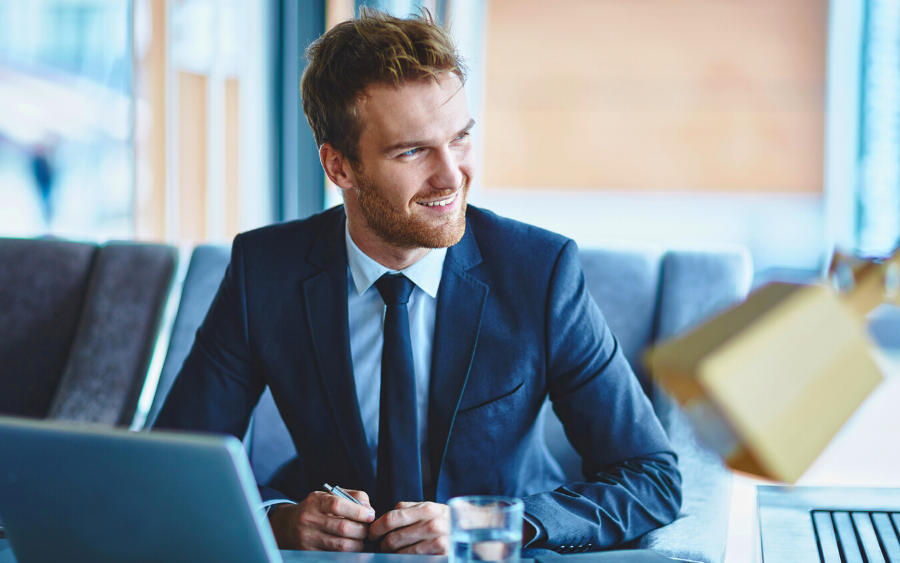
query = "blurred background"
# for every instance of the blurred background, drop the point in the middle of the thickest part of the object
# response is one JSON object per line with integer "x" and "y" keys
{"x": 773, "y": 124}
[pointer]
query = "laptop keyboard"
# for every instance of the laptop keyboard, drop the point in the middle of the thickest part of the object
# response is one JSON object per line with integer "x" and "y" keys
{"x": 857, "y": 537}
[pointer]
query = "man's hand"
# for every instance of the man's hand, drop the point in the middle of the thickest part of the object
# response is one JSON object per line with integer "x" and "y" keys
{"x": 414, "y": 527}
{"x": 322, "y": 522}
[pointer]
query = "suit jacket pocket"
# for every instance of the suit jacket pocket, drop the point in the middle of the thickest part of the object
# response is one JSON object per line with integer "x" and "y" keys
{"x": 493, "y": 401}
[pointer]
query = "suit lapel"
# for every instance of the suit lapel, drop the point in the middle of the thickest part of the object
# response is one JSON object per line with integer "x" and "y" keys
{"x": 461, "y": 301}
{"x": 325, "y": 296}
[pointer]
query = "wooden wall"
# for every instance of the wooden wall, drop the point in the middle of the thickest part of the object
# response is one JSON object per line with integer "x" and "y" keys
{"x": 697, "y": 95}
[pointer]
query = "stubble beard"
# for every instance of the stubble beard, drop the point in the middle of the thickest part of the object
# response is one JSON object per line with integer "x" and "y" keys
{"x": 398, "y": 229}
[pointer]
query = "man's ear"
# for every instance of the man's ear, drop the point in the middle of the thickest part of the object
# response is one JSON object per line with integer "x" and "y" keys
{"x": 336, "y": 167}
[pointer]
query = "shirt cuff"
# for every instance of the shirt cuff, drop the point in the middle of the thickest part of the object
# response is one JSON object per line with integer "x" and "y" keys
{"x": 262, "y": 511}
{"x": 540, "y": 533}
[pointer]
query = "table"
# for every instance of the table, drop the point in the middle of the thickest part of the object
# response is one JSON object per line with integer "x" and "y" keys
{"x": 319, "y": 556}
{"x": 6, "y": 556}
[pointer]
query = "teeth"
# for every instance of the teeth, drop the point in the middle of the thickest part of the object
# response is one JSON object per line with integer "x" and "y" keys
{"x": 441, "y": 203}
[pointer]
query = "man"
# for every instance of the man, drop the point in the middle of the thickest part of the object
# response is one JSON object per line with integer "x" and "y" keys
{"x": 412, "y": 389}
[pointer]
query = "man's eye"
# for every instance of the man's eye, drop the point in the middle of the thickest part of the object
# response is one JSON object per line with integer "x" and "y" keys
{"x": 411, "y": 152}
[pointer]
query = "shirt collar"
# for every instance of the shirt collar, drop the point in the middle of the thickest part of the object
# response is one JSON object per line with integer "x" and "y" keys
{"x": 426, "y": 273}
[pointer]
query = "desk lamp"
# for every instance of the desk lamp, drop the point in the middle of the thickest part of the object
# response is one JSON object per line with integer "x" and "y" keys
{"x": 768, "y": 383}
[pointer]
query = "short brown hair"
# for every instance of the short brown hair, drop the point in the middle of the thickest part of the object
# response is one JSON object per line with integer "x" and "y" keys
{"x": 375, "y": 48}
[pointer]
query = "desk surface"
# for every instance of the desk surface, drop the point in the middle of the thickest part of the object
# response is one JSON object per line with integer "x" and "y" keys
{"x": 636, "y": 556}
{"x": 6, "y": 556}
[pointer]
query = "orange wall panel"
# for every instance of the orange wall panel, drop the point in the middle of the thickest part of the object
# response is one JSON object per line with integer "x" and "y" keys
{"x": 702, "y": 95}
{"x": 232, "y": 157}
{"x": 150, "y": 136}
{"x": 192, "y": 155}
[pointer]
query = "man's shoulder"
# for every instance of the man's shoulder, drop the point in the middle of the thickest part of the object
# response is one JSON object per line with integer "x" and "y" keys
{"x": 293, "y": 242}
{"x": 501, "y": 234}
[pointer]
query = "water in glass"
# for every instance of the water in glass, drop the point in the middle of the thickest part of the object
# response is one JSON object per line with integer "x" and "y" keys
{"x": 485, "y": 544}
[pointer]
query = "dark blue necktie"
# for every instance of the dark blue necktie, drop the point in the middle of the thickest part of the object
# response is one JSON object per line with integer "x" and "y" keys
{"x": 399, "y": 472}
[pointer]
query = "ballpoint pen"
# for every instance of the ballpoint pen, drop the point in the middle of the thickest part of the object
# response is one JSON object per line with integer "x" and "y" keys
{"x": 339, "y": 492}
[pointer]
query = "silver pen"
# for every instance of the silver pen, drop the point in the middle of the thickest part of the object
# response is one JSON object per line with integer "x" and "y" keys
{"x": 339, "y": 492}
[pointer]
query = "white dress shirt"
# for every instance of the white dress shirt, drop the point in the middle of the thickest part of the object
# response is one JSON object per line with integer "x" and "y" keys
{"x": 366, "y": 318}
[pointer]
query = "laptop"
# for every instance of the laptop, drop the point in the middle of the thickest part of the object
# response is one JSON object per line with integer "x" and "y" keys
{"x": 829, "y": 524}
{"x": 86, "y": 494}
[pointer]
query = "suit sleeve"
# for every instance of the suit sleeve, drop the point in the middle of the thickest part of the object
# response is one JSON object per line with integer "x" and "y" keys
{"x": 219, "y": 385}
{"x": 633, "y": 483}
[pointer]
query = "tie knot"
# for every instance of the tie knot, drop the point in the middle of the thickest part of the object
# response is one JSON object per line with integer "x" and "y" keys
{"x": 395, "y": 289}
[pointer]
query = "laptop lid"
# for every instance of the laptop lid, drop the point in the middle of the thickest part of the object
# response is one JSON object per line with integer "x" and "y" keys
{"x": 80, "y": 493}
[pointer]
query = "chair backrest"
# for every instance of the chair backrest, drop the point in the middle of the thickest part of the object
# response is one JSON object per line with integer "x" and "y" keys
{"x": 202, "y": 280}
{"x": 42, "y": 290}
{"x": 78, "y": 324}
{"x": 625, "y": 284}
{"x": 697, "y": 285}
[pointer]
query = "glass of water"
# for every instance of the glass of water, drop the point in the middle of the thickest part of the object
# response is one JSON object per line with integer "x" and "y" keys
{"x": 485, "y": 528}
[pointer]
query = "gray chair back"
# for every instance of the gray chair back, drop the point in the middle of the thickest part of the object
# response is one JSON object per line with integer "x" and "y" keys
{"x": 78, "y": 323}
{"x": 202, "y": 280}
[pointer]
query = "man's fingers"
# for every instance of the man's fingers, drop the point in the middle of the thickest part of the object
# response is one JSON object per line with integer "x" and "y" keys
{"x": 436, "y": 546}
{"x": 425, "y": 536}
{"x": 392, "y": 520}
{"x": 406, "y": 514}
{"x": 399, "y": 539}
{"x": 321, "y": 541}
{"x": 330, "y": 533}
{"x": 337, "y": 506}
{"x": 345, "y": 528}
{"x": 361, "y": 496}
{"x": 321, "y": 522}
{"x": 334, "y": 543}
{"x": 425, "y": 523}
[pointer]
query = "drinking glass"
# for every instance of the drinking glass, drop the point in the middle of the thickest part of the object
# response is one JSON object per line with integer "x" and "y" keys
{"x": 485, "y": 528}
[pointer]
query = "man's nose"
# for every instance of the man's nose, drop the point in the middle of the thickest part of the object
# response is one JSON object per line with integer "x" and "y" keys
{"x": 447, "y": 174}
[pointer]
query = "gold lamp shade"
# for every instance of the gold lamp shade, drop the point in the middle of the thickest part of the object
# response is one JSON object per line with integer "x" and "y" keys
{"x": 768, "y": 383}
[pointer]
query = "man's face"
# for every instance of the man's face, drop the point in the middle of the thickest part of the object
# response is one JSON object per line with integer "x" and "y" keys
{"x": 416, "y": 163}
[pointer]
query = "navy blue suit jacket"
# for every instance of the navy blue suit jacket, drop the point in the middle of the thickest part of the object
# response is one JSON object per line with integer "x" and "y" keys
{"x": 515, "y": 324}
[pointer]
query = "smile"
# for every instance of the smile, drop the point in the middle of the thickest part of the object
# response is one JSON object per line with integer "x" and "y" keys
{"x": 441, "y": 203}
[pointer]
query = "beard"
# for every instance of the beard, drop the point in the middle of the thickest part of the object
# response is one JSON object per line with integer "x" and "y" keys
{"x": 404, "y": 230}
